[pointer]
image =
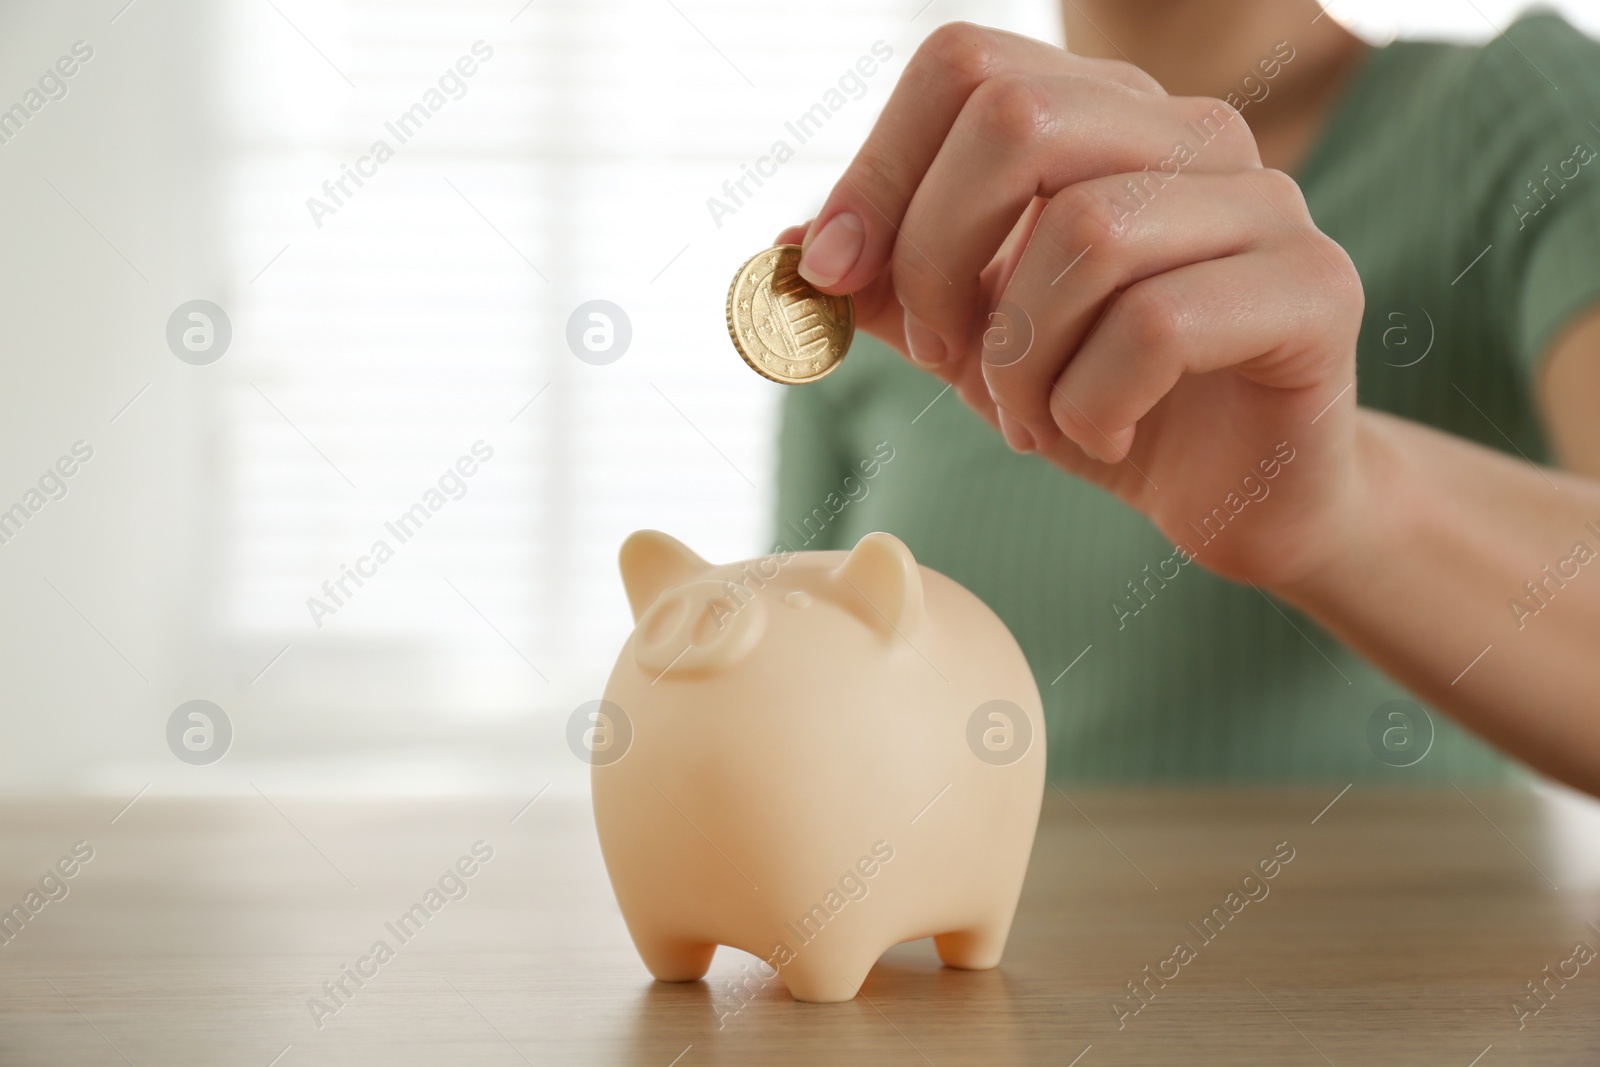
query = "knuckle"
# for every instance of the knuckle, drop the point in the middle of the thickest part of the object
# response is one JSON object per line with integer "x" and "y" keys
{"x": 1011, "y": 109}
{"x": 1281, "y": 191}
{"x": 1331, "y": 270}
{"x": 1081, "y": 217}
{"x": 1218, "y": 120}
{"x": 1278, "y": 183}
{"x": 1155, "y": 319}
{"x": 960, "y": 50}
{"x": 879, "y": 177}
{"x": 1132, "y": 75}
{"x": 1337, "y": 275}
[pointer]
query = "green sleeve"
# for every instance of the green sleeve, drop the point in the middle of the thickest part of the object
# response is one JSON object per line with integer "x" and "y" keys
{"x": 811, "y": 463}
{"x": 1553, "y": 184}
{"x": 1562, "y": 277}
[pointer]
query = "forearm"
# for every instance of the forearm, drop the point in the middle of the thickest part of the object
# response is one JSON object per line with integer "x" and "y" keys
{"x": 1450, "y": 538}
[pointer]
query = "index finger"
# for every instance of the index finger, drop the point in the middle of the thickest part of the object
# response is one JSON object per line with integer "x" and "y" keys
{"x": 853, "y": 236}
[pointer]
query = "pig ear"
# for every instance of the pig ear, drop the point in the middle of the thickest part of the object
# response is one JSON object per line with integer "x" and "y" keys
{"x": 882, "y": 580}
{"x": 651, "y": 564}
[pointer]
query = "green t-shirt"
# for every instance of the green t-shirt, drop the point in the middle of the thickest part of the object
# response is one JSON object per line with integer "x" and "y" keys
{"x": 1423, "y": 175}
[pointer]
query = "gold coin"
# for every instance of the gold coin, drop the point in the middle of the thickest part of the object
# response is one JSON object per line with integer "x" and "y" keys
{"x": 786, "y": 330}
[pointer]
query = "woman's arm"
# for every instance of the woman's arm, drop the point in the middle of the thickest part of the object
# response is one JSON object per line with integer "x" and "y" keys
{"x": 1473, "y": 577}
{"x": 1108, "y": 275}
{"x": 1569, "y": 395}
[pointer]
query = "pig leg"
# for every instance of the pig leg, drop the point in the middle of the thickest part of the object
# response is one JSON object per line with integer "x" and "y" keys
{"x": 672, "y": 959}
{"x": 976, "y": 948}
{"x": 827, "y": 974}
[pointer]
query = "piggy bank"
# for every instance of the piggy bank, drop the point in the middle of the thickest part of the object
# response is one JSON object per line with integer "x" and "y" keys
{"x": 812, "y": 757}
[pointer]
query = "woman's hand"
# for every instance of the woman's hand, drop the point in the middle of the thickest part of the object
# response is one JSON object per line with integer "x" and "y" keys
{"x": 1107, "y": 274}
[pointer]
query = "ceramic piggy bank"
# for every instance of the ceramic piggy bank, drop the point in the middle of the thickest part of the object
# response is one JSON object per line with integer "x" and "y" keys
{"x": 827, "y": 754}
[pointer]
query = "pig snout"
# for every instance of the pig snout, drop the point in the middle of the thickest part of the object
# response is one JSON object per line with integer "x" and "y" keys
{"x": 697, "y": 628}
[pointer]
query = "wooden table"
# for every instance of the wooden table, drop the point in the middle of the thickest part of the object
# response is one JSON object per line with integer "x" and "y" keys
{"x": 1401, "y": 932}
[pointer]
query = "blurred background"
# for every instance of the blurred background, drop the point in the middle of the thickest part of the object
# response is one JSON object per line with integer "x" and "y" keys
{"x": 370, "y": 336}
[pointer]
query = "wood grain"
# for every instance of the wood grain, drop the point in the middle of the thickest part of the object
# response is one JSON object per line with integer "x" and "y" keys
{"x": 1400, "y": 933}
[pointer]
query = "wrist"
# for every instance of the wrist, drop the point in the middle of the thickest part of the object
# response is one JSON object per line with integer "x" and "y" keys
{"x": 1374, "y": 514}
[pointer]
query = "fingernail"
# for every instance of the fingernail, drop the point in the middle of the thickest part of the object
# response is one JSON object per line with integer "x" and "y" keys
{"x": 834, "y": 250}
{"x": 1116, "y": 448}
{"x": 1122, "y": 442}
{"x": 1016, "y": 434}
{"x": 927, "y": 348}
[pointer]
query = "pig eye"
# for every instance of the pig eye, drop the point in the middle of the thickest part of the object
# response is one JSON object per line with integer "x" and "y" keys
{"x": 797, "y": 599}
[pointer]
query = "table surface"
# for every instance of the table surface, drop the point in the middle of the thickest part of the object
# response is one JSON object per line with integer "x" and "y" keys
{"x": 1402, "y": 932}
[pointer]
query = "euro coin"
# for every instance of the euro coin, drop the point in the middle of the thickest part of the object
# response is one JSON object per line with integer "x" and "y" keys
{"x": 783, "y": 328}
